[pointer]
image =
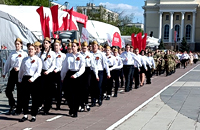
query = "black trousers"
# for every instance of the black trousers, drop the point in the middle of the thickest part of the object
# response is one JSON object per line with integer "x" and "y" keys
{"x": 57, "y": 87}
{"x": 96, "y": 86}
{"x": 73, "y": 91}
{"x": 116, "y": 74}
{"x": 128, "y": 71}
{"x": 86, "y": 79}
{"x": 30, "y": 89}
{"x": 12, "y": 81}
{"x": 137, "y": 77}
{"x": 121, "y": 74}
{"x": 148, "y": 74}
{"x": 47, "y": 86}
{"x": 109, "y": 84}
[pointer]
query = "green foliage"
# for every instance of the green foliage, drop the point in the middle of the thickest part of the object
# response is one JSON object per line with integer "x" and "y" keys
{"x": 129, "y": 30}
{"x": 44, "y": 3}
{"x": 184, "y": 46}
{"x": 161, "y": 46}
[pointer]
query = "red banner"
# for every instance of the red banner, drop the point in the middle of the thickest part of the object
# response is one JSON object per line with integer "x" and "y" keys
{"x": 55, "y": 24}
{"x": 65, "y": 22}
{"x": 139, "y": 41}
{"x": 117, "y": 41}
{"x": 144, "y": 41}
{"x": 47, "y": 31}
{"x": 42, "y": 20}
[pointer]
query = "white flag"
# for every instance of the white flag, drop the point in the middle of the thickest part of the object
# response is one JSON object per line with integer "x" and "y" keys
{"x": 123, "y": 43}
{"x": 85, "y": 35}
{"x": 109, "y": 39}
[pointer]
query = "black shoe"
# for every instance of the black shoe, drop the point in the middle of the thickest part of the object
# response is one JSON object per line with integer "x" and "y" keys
{"x": 100, "y": 102}
{"x": 23, "y": 119}
{"x": 136, "y": 87}
{"x": 107, "y": 98}
{"x": 87, "y": 107}
{"x": 75, "y": 115}
{"x": 33, "y": 120}
{"x": 70, "y": 113}
{"x": 45, "y": 113}
{"x": 93, "y": 104}
{"x": 115, "y": 95}
{"x": 11, "y": 110}
{"x": 126, "y": 90}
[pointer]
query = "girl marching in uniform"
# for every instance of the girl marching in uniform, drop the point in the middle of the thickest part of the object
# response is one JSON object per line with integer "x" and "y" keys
{"x": 13, "y": 64}
{"x": 73, "y": 68}
{"x": 60, "y": 57}
{"x": 137, "y": 69}
{"x": 86, "y": 77}
{"x": 48, "y": 58}
{"x": 101, "y": 64}
{"x": 112, "y": 63}
{"x": 116, "y": 71}
{"x": 30, "y": 70}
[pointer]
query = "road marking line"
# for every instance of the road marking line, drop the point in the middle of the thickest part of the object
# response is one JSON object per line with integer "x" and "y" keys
{"x": 54, "y": 118}
{"x": 27, "y": 129}
{"x": 145, "y": 103}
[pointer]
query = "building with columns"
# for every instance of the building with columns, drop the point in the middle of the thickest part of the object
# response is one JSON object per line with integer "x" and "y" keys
{"x": 171, "y": 20}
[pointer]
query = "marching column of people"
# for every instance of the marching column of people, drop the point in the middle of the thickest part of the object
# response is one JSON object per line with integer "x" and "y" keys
{"x": 81, "y": 73}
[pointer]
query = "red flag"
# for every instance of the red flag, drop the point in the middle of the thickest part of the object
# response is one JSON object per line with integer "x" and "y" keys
{"x": 133, "y": 40}
{"x": 72, "y": 26}
{"x": 65, "y": 22}
{"x": 117, "y": 41}
{"x": 139, "y": 41}
{"x": 144, "y": 41}
{"x": 42, "y": 20}
{"x": 47, "y": 31}
{"x": 54, "y": 12}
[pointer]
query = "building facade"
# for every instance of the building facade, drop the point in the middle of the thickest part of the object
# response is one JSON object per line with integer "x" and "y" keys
{"x": 98, "y": 12}
{"x": 137, "y": 25}
{"x": 171, "y": 20}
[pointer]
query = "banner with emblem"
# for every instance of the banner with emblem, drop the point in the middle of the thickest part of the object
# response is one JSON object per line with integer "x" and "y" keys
{"x": 84, "y": 35}
{"x": 117, "y": 41}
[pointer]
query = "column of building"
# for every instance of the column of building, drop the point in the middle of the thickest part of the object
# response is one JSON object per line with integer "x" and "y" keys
{"x": 193, "y": 27}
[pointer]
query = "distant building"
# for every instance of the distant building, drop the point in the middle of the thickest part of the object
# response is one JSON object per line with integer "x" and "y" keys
{"x": 137, "y": 25}
{"x": 163, "y": 17}
{"x": 98, "y": 12}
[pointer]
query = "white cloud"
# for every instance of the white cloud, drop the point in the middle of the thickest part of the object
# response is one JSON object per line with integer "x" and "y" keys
{"x": 128, "y": 9}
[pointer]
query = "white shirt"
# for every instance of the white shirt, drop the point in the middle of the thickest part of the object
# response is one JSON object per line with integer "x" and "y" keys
{"x": 179, "y": 56}
{"x": 14, "y": 60}
{"x": 50, "y": 63}
{"x": 73, "y": 63}
{"x": 31, "y": 66}
{"x": 131, "y": 58}
{"x": 185, "y": 56}
{"x": 139, "y": 57}
{"x": 111, "y": 60}
{"x": 151, "y": 60}
{"x": 60, "y": 57}
{"x": 88, "y": 58}
{"x": 100, "y": 62}
{"x": 119, "y": 63}
{"x": 195, "y": 56}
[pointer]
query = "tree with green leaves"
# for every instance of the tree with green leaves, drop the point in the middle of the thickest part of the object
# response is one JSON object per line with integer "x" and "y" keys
{"x": 161, "y": 46}
{"x": 129, "y": 30}
{"x": 184, "y": 46}
{"x": 44, "y": 3}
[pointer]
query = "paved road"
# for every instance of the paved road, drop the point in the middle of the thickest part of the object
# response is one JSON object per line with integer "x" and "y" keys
{"x": 177, "y": 108}
{"x": 99, "y": 118}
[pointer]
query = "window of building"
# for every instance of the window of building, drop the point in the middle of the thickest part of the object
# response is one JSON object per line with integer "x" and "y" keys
{"x": 188, "y": 17}
{"x": 166, "y": 32}
{"x": 188, "y": 32}
{"x": 177, "y": 29}
{"x": 177, "y": 17}
{"x": 167, "y": 17}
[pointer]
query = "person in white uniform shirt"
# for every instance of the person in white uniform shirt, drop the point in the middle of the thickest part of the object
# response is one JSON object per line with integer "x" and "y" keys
{"x": 145, "y": 66}
{"x": 116, "y": 71}
{"x": 60, "y": 57}
{"x": 48, "y": 58}
{"x": 38, "y": 47}
{"x": 128, "y": 59}
{"x": 12, "y": 65}
{"x": 184, "y": 58}
{"x": 137, "y": 69}
{"x": 195, "y": 58}
{"x": 101, "y": 64}
{"x": 86, "y": 77}
{"x": 73, "y": 68}
{"x": 112, "y": 63}
{"x": 150, "y": 67}
{"x": 30, "y": 70}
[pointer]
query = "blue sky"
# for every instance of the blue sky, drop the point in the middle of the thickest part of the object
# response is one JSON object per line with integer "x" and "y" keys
{"x": 129, "y": 6}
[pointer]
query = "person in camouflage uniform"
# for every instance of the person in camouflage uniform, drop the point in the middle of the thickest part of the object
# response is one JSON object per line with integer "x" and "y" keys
{"x": 157, "y": 59}
{"x": 168, "y": 63}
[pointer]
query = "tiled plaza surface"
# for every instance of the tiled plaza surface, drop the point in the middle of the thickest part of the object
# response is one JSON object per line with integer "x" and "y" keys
{"x": 177, "y": 108}
{"x": 101, "y": 118}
